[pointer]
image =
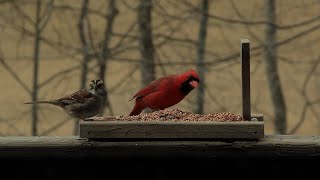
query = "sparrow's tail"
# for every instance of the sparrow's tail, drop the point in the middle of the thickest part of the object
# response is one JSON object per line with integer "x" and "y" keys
{"x": 41, "y": 102}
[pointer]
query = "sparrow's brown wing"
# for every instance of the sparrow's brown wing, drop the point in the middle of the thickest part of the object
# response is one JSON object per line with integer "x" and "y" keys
{"x": 76, "y": 97}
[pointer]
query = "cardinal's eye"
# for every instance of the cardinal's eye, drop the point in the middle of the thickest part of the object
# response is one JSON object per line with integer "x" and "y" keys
{"x": 189, "y": 76}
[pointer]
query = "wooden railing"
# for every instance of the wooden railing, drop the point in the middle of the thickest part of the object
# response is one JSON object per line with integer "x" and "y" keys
{"x": 273, "y": 157}
{"x": 55, "y": 147}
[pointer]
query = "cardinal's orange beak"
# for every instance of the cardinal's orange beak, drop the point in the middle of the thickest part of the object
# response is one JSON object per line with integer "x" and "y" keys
{"x": 194, "y": 84}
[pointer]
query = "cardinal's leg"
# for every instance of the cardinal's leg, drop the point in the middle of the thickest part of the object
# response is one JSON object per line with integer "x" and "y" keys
{"x": 153, "y": 110}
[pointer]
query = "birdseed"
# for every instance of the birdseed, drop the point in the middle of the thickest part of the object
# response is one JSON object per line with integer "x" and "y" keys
{"x": 174, "y": 115}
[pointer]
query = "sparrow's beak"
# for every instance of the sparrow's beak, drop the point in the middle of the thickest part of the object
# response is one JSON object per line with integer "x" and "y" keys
{"x": 194, "y": 84}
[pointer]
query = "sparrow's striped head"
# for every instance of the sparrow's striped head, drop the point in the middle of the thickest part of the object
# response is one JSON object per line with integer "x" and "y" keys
{"x": 97, "y": 87}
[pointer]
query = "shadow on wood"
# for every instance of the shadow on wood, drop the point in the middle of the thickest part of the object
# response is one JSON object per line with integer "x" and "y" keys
{"x": 74, "y": 158}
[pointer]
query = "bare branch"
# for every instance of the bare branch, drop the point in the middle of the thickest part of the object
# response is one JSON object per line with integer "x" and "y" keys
{"x": 124, "y": 35}
{"x": 84, "y": 42}
{"x": 234, "y": 6}
{"x": 308, "y": 102}
{"x": 146, "y": 45}
{"x": 22, "y": 13}
{"x": 105, "y": 49}
{"x": 57, "y": 74}
{"x": 15, "y": 76}
{"x": 290, "y": 61}
{"x": 124, "y": 79}
{"x": 45, "y": 18}
{"x": 55, "y": 127}
{"x": 251, "y": 23}
{"x": 202, "y": 36}
{"x": 308, "y": 76}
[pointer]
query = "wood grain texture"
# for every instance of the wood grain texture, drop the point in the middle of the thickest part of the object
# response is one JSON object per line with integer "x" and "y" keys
{"x": 272, "y": 146}
{"x": 175, "y": 130}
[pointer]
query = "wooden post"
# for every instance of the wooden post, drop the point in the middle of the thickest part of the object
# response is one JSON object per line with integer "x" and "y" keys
{"x": 245, "y": 69}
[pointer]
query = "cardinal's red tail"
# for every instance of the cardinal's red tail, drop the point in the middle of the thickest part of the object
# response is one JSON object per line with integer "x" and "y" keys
{"x": 138, "y": 107}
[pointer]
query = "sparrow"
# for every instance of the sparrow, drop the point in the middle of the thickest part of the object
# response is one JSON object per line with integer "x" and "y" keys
{"x": 81, "y": 104}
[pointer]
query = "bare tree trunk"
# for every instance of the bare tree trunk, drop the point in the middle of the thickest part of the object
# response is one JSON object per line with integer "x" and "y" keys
{"x": 84, "y": 42}
{"x": 272, "y": 69}
{"x": 36, "y": 69}
{"x": 85, "y": 51}
{"x": 105, "y": 51}
{"x": 145, "y": 41}
{"x": 201, "y": 54}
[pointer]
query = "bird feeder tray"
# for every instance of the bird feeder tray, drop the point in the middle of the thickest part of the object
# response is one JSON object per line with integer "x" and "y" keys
{"x": 173, "y": 124}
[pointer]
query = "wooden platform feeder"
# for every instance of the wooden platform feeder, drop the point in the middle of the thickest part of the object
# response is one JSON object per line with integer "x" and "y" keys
{"x": 251, "y": 128}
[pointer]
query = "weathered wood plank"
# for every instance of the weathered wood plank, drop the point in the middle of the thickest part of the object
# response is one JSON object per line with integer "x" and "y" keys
{"x": 167, "y": 129}
{"x": 73, "y": 147}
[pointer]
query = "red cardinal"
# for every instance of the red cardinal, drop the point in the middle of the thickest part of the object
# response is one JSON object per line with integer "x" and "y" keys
{"x": 165, "y": 92}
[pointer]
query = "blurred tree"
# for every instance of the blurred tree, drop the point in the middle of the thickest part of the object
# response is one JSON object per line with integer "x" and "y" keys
{"x": 111, "y": 14}
{"x": 82, "y": 24}
{"x": 171, "y": 43}
{"x": 36, "y": 69}
{"x": 201, "y": 55}
{"x": 40, "y": 23}
{"x": 277, "y": 96}
{"x": 146, "y": 46}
